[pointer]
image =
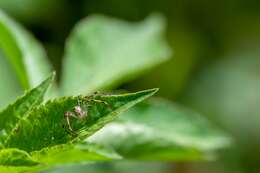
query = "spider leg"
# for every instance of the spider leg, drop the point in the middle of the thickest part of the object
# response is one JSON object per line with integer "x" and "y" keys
{"x": 101, "y": 101}
{"x": 92, "y": 98}
{"x": 68, "y": 122}
{"x": 69, "y": 131}
{"x": 67, "y": 116}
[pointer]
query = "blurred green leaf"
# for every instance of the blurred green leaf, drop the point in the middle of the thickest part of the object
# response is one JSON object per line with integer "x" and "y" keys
{"x": 32, "y": 11}
{"x": 14, "y": 160}
{"x": 23, "y": 105}
{"x": 172, "y": 76}
{"x": 228, "y": 92}
{"x": 10, "y": 88}
{"x": 15, "y": 157}
{"x": 69, "y": 153}
{"x": 103, "y": 52}
{"x": 12, "y": 169}
{"x": 50, "y": 127}
{"x": 125, "y": 166}
{"x": 159, "y": 130}
{"x": 23, "y": 52}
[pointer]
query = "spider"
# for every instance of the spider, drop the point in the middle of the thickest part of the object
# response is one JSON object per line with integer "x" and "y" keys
{"x": 79, "y": 113}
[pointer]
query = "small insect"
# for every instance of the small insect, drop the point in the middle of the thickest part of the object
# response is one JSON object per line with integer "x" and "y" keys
{"x": 78, "y": 112}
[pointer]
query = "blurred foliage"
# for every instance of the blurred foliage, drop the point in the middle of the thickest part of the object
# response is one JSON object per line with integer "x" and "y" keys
{"x": 161, "y": 130}
{"x": 12, "y": 87}
{"x": 201, "y": 33}
{"x": 228, "y": 92}
{"x": 116, "y": 167}
{"x": 102, "y": 52}
{"x": 91, "y": 48}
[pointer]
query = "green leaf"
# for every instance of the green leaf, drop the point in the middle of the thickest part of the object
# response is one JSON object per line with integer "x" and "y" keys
{"x": 104, "y": 52}
{"x": 13, "y": 169}
{"x": 20, "y": 161}
{"x": 10, "y": 88}
{"x": 69, "y": 153}
{"x": 23, "y": 105}
{"x": 46, "y": 126}
{"x": 160, "y": 130}
{"x": 14, "y": 157}
{"x": 24, "y": 53}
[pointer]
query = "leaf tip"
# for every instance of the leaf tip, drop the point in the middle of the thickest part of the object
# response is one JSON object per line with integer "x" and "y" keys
{"x": 148, "y": 93}
{"x": 151, "y": 91}
{"x": 50, "y": 78}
